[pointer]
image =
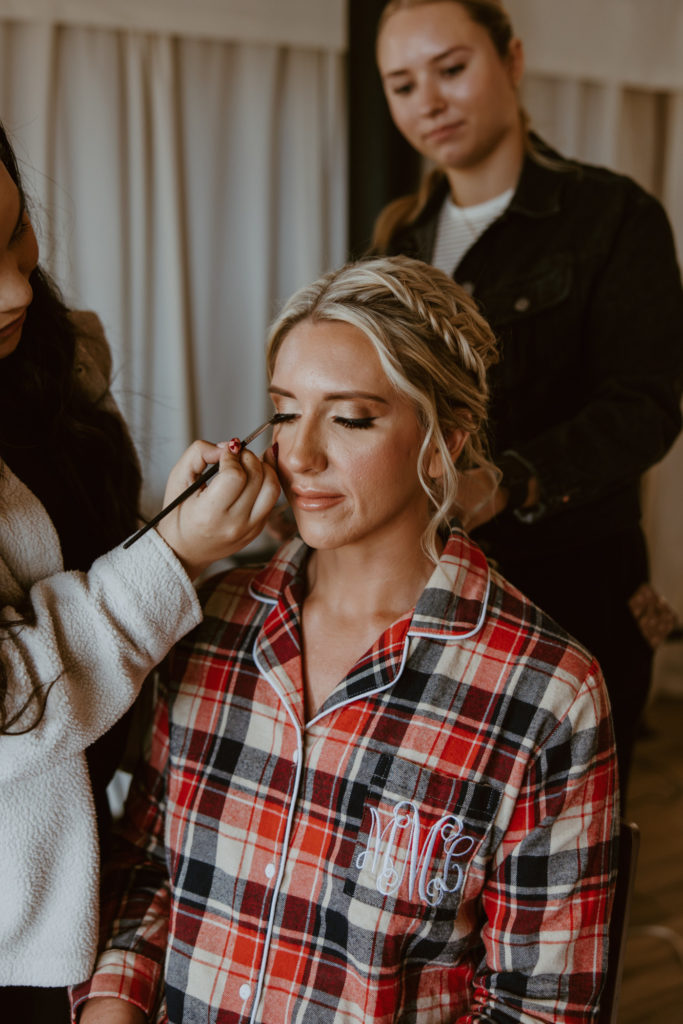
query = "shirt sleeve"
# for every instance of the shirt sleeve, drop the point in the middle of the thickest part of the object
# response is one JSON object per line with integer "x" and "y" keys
{"x": 135, "y": 891}
{"x": 632, "y": 368}
{"x": 88, "y": 645}
{"x": 548, "y": 897}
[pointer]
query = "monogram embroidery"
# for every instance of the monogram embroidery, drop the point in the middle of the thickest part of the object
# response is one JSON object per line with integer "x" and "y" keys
{"x": 401, "y": 847}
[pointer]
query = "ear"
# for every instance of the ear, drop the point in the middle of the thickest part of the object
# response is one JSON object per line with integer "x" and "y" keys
{"x": 456, "y": 441}
{"x": 516, "y": 61}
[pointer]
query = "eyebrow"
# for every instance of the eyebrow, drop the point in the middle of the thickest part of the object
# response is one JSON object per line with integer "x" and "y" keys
{"x": 334, "y": 396}
{"x": 450, "y": 52}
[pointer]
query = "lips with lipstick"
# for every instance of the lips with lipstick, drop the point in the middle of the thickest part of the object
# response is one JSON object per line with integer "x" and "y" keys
{"x": 314, "y": 501}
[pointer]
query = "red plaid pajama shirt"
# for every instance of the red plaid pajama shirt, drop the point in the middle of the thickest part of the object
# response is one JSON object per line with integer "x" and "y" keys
{"x": 435, "y": 845}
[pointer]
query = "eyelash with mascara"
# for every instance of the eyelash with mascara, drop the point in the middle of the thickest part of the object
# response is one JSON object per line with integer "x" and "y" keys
{"x": 362, "y": 423}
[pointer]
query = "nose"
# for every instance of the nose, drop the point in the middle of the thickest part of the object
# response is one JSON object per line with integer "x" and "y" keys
{"x": 431, "y": 100}
{"x": 15, "y": 291}
{"x": 301, "y": 447}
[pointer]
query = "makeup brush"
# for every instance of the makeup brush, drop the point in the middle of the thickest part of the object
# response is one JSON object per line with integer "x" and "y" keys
{"x": 199, "y": 482}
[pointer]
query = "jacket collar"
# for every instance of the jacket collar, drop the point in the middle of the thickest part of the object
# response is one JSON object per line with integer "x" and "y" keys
{"x": 539, "y": 189}
{"x": 538, "y": 194}
{"x": 453, "y": 604}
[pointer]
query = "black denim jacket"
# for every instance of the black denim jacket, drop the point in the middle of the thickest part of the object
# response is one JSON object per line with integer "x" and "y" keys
{"x": 579, "y": 279}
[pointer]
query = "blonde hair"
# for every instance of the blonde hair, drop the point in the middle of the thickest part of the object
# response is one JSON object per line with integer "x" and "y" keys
{"x": 433, "y": 345}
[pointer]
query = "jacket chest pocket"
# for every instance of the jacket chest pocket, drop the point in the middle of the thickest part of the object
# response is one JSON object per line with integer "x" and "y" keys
{"x": 540, "y": 290}
{"x": 420, "y": 833}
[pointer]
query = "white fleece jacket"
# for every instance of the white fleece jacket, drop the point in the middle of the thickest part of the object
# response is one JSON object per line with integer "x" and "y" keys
{"x": 97, "y": 635}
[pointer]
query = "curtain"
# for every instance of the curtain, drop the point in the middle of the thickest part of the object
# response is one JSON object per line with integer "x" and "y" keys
{"x": 604, "y": 83}
{"x": 182, "y": 188}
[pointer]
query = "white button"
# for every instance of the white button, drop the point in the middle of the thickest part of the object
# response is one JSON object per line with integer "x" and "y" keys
{"x": 522, "y": 304}
{"x": 245, "y": 992}
{"x": 270, "y": 870}
{"x": 295, "y": 757}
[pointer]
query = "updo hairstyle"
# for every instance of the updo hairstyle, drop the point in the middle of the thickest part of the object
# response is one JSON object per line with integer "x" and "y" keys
{"x": 434, "y": 346}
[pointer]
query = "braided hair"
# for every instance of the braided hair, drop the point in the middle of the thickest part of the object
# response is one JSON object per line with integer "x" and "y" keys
{"x": 434, "y": 346}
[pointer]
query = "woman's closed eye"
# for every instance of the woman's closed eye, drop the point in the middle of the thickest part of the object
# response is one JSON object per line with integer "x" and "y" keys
{"x": 361, "y": 423}
{"x": 350, "y": 422}
{"x": 23, "y": 224}
{"x": 283, "y": 417}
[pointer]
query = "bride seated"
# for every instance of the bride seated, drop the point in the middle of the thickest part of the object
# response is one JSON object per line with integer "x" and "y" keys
{"x": 381, "y": 784}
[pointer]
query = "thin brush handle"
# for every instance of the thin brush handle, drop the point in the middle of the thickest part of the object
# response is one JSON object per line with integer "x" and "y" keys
{"x": 199, "y": 482}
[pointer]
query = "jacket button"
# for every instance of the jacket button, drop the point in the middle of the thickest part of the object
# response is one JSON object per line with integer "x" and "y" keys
{"x": 468, "y": 286}
{"x": 522, "y": 304}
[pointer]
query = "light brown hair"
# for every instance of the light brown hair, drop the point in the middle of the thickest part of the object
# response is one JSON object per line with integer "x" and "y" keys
{"x": 492, "y": 16}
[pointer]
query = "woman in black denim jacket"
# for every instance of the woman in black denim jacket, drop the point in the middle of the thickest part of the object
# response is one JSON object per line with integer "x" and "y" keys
{"x": 575, "y": 268}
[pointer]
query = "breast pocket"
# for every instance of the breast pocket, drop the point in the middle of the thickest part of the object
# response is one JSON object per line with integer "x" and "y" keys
{"x": 419, "y": 835}
{"x": 540, "y": 290}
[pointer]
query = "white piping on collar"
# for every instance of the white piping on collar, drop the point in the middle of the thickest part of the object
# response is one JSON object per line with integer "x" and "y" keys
{"x": 367, "y": 693}
{"x": 288, "y": 831}
{"x": 460, "y": 636}
{"x": 260, "y": 597}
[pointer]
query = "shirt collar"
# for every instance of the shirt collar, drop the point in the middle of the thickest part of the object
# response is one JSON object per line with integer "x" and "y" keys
{"x": 538, "y": 191}
{"x": 453, "y": 604}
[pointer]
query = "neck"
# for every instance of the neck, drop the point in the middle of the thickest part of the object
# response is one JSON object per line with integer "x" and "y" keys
{"x": 357, "y": 584}
{"x": 489, "y": 177}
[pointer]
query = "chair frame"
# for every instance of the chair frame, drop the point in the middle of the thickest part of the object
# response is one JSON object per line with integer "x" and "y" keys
{"x": 629, "y": 844}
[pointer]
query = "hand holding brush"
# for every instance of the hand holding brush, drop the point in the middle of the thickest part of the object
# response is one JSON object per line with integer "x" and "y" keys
{"x": 222, "y": 518}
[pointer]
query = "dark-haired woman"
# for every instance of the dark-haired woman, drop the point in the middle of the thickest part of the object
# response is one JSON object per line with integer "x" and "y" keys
{"x": 575, "y": 268}
{"x": 80, "y": 625}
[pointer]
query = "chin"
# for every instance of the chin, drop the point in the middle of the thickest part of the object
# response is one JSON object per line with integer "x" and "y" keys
{"x": 320, "y": 536}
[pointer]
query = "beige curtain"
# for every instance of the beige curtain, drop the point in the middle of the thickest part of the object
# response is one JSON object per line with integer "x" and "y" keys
{"x": 182, "y": 186}
{"x": 604, "y": 83}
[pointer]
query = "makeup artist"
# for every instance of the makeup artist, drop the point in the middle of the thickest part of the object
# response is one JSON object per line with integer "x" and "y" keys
{"x": 575, "y": 268}
{"x": 82, "y": 621}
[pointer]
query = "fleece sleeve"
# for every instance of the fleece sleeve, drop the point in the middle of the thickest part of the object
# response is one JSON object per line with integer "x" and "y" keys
{"x": 94, "y": 638}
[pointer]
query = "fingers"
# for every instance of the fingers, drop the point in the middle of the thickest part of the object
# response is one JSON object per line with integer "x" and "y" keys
{"x": 189, "y": 466}
{"x": 245, "y": 485}
{"x": 221, "y": 518}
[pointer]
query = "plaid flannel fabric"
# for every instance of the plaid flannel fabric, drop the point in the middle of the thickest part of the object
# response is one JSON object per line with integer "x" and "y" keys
{"x": 435, "y": 846}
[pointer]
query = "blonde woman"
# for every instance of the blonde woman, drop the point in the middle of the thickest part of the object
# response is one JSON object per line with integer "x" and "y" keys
{"x": 381, "y": 784}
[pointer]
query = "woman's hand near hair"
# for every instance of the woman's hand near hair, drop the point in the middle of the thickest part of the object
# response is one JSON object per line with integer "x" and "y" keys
{"x": 221, "y": 518}
{"x": 106, "y": 1010}
{"x": 481, "y": 498}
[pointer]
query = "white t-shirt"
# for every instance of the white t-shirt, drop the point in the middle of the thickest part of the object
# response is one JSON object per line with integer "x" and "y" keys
{"x": 459, "y": 228}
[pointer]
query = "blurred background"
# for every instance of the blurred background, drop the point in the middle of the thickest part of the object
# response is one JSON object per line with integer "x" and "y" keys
{"x": 192, "y": 164}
